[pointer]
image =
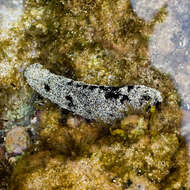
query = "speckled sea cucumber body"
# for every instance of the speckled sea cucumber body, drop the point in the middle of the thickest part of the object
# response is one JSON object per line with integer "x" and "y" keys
{"x": 90, "y": 101}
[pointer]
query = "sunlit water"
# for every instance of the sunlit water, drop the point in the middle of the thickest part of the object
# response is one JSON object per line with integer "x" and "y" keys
{"x": 10, "y": 11}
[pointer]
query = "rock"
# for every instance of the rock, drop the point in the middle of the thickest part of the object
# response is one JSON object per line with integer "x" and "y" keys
{"x": 48, "y": 171}
{"x": 17, "y": 140}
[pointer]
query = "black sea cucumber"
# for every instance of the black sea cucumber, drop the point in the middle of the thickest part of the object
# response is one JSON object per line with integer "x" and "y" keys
{"x": 90, "y": 101}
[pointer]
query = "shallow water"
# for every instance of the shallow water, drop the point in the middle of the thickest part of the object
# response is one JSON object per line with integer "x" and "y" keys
{"x": 170, "y": 43}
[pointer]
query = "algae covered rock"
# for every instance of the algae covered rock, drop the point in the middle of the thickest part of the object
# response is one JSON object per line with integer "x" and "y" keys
{"x": 111, "y": 164}
{"x": 17, "y": 140}
{"x": 65, "y": 136}
{"x": 45, "y": 170}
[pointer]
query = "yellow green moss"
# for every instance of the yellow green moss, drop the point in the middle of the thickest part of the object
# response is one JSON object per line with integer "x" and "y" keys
{"x": 67, "y": 137}
{"x": 111, "y": 164}
{"x": 46, "y": 170}
{"x": 131, "y": 128}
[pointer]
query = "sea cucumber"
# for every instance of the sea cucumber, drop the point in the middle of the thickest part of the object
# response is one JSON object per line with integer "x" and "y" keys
{"x": 90, "y": 101}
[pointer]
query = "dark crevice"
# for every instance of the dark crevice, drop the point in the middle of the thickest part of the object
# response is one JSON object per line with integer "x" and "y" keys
{"x": 46, "y": 87}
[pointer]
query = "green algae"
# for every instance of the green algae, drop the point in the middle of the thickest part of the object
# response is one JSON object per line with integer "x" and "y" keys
{"x": 100, "y": 42}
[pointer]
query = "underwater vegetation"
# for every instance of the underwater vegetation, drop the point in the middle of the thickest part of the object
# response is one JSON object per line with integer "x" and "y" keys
{"x": 98, "y": 42}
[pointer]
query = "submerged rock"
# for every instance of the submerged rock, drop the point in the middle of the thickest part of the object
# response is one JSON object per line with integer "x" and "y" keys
{"x": 17, "y": 140}
{"x": 110, "y": 165}
{"x": 48, "y": 171}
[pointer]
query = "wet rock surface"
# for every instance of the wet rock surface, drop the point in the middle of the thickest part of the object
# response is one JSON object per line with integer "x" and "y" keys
{"x": 17, "y": 140}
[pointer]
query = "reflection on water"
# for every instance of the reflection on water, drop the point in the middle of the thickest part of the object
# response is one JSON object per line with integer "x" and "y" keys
{"x": 146, "y": 9}
{"x": 10, "y": 10}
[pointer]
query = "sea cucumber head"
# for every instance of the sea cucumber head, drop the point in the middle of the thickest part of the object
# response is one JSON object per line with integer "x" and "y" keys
{"x": 151, "y": 96}
{"x": 142, "y": 95}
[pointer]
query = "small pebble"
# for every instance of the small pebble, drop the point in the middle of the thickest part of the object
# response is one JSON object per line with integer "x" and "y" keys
{"x": 17, "y": 140}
